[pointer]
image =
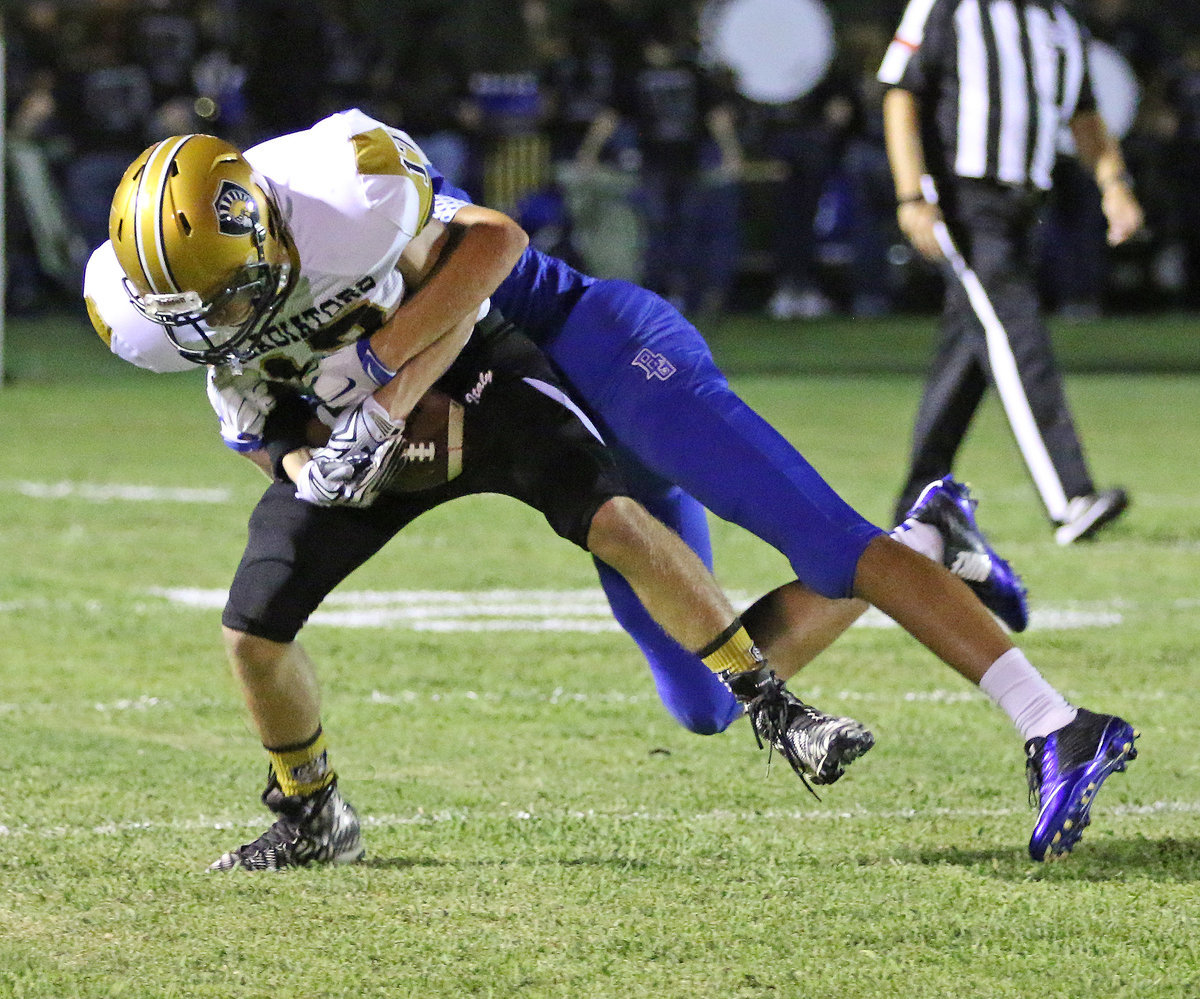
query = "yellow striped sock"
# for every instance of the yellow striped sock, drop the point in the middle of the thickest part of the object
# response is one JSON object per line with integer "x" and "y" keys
{"x": 733, "y": 650}
{"x": 302, "y": 769}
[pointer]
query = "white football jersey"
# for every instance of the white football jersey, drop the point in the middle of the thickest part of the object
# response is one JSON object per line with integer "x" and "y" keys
{"x": 353, "y": 192}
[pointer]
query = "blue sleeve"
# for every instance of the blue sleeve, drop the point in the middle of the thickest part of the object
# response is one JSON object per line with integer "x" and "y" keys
{"x": 441, "y": 186}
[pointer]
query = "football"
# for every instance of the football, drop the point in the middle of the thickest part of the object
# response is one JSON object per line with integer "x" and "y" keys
{"x": 433, "y": 445}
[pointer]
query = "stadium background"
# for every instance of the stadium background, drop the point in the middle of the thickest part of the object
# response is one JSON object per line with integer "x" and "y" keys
{"x": 499, "y": 93}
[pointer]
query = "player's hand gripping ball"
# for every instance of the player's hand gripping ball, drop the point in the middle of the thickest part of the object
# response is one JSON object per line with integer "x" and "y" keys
{"x": 428, "y": 453}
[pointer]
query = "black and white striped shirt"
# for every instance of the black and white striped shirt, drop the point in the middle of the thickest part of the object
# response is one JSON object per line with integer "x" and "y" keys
{"x": 996, "y": 81}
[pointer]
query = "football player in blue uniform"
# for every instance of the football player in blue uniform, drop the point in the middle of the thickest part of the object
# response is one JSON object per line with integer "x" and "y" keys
{"x": 689, "y": 442}
{"x": 685, "y": 442}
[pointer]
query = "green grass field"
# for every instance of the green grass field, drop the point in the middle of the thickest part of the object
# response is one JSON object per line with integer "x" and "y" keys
{"x": 537, "y": 825}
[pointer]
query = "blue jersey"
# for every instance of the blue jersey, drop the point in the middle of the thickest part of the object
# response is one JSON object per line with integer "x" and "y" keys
{"x": 541, "y": 291}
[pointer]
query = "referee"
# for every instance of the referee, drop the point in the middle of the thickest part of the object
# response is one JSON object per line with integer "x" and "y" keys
{"x": 978, "y": 93}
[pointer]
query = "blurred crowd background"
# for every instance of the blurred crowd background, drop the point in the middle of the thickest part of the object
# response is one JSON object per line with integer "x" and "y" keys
{"x": 621, "y": 133}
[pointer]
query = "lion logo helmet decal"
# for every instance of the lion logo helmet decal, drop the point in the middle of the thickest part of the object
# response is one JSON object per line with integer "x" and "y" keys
{"x": 237, "y": 211}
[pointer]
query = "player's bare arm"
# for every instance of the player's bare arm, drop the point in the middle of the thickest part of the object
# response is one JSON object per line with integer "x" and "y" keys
{"x": 417, "y": 376}
{"x": 262, "y": 461}
{"x": 424, "y": 336}
{"x": 454, "y": 271}
{"x": 425, "y": 258}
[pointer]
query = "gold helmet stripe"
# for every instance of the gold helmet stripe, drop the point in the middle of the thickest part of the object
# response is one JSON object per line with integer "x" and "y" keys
{"x": 149, "y": 211}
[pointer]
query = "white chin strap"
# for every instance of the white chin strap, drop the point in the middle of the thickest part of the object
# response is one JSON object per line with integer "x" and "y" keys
{"x": 172, "y": 305}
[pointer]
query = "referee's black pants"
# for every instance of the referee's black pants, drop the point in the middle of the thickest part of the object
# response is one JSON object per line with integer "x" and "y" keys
{"x": 993, "y": 226}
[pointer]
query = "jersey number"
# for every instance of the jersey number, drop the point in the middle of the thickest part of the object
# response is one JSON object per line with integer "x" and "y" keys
{"x": 389, "y": 151}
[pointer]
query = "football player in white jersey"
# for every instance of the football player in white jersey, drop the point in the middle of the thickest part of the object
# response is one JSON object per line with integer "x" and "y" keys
{"x": 274, "y": 267}
{"x": 214, "y": 277}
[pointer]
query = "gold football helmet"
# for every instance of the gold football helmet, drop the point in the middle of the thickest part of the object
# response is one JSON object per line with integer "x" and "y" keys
{"x": 204, "y": 250}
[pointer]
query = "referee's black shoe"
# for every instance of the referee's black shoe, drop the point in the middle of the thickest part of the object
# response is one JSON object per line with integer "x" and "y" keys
{"x": 1087, "y": 514}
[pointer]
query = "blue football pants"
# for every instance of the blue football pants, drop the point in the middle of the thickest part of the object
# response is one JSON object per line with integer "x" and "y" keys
{"x": 649, "y": 379}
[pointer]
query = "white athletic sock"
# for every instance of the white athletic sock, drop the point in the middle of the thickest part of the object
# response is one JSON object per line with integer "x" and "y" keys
{"x": 922, "y": 538}
{"x": 1035, "y": 707}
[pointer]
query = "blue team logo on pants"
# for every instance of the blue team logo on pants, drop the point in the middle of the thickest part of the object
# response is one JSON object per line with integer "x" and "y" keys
{"x": 655, "y": 365}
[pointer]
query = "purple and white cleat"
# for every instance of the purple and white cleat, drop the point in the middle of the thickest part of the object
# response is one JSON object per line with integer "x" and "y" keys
{"x": 947, "y": 506}
{"x": 1065, "y": 770}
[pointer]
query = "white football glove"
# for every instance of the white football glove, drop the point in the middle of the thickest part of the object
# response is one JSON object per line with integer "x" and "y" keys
{"x": 346, "y": 377}
{"x": 241, "y": 403}
{"x": 352, "y": 467}
{"x": 354, "y": 481}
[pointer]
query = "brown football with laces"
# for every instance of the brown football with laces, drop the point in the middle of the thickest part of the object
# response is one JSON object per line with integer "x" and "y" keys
{"x": 433, "y": 445}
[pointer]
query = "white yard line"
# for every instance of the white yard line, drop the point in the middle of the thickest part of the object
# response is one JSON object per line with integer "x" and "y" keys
{"x": 138, "y": 491}
{"x": 583, "y": 610}
{"x": 591, "y": 815}
{"x": 94, "y": 492}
